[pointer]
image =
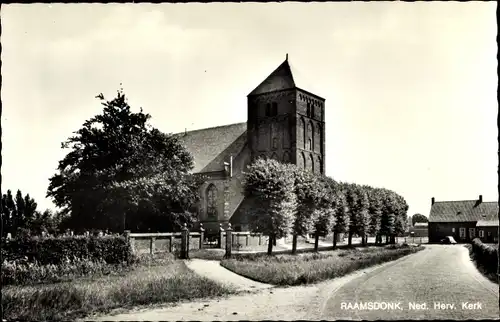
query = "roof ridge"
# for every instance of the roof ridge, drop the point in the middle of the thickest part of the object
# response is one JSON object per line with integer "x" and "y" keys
{"x": 472, "y": 200}
{"x": 211, "y": 128}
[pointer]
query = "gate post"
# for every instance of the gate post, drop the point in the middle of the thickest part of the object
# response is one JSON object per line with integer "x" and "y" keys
{"x": 202, "y": 235}
{"x": 229, "y": 241}
{"x": 221, "y": 236}
{"x": 184, "y": 243}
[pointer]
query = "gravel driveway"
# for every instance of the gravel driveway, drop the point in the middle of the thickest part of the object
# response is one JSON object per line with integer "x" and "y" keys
{"x": 438, "y": 273}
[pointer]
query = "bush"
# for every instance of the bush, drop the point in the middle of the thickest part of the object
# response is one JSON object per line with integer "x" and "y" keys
{"x": 485, "y": 256}
{"x": 21, "y": 271}
{"x": 55, "y": 250}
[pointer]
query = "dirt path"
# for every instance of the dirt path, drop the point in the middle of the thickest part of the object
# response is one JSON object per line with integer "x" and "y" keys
{"x": 214, "y": 271}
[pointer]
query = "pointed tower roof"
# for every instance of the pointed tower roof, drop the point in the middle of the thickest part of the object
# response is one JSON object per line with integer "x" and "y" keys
{"x": 283, "y": 77}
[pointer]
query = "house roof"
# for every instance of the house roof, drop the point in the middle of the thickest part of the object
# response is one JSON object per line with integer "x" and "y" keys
{"x": 463, "y": 211}
{"x": 487, "y": 223}
{"x": 210, "y": 147}
{"x": 284, "y": 77}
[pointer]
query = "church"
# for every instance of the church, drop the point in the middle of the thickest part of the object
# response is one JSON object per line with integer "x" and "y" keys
{"x": 285, "y": 122}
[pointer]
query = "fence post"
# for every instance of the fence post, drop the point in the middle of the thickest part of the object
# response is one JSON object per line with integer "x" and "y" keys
{"x": 184, "y": 243}
{"x": 229, "y": 241}
{"x": 246, "y": 241}
{"x": 202, "y": 235}
{"x": 152, "y": 245}
{"x": 221, "y": 236}
{"x": 260, "y": 239}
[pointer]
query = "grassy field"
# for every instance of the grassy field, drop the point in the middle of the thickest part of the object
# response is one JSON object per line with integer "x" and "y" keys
{"x": 304, "y": 268}
{"x": 149, "y": 282}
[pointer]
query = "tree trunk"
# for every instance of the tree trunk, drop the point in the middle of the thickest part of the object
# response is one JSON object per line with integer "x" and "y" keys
{"x": 316, "y": 242}
{"x": 363, "y": 239}
{"x": 335, "y": 234}
{"x": 349, "y": 239}
{"x": 270, "y": 245}
{"x": 274, "y": 240}
{"x": 294, "y": 244}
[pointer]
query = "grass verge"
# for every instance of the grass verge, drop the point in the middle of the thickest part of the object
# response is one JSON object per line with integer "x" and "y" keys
{"x": 313, "y": 267}
{"x": 149, "y": 282}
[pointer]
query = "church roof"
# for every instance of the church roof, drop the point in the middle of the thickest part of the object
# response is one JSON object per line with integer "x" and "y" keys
{"x": 284, "y": 77}
{"x": 212, "y": 146}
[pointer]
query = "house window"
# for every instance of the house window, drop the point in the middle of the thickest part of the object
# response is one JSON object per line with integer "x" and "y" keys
{"x": 481, "y": 233}
{"x": 212, "y": 201}
{"x": 462, "y": 232}
{"x": 472, "y": 233}
{"x": 268, "y": 109}
{"x": 453, "y": 230}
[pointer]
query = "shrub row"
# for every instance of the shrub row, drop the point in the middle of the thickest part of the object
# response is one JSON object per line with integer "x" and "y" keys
{"x": 486, "y": 256}
{"x": 55, "y": 250}
{"x": 23, "y": 272}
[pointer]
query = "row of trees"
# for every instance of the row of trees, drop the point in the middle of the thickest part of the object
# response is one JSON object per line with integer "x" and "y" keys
{"x": 21, "y": 217}
{"x": 122, "y": 173}
{"x": 290, "y": 200}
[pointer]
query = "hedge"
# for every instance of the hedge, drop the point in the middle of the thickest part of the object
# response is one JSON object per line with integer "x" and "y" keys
{"x": 54, "y": 250}
{"x": 485, "y": 256}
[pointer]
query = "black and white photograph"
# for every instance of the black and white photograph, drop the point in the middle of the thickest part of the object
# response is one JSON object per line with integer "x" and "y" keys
{"x": 249, "y": 161}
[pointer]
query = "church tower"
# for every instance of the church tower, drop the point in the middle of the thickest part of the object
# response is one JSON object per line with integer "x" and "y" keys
{"x": 285, "y": 122}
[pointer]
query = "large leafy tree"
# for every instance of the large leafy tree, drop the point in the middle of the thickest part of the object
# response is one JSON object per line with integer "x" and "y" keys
{"x": 375, "y": 210}
{"x": 326, "y": 208}
{"x": 418, "y": 218}
{"x": 308, "y": 191}
{"x": 121, "y": 173}
{"x": 271, "y": 185}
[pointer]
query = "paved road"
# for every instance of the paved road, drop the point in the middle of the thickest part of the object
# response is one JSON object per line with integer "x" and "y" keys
{"x": 439, "y": 274}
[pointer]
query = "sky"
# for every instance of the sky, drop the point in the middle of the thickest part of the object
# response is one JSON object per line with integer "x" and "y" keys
{"x": 410, "y": 87}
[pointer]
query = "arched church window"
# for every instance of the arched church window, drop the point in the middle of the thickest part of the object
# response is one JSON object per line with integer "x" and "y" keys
{"x": 211, "y": 201}
{"x": 303, "y": 159}
{"x": 311, "y": 161}
{"x": 310, "y": 136}
{"x": 268, "y": 109}
{"x": 274, "y": 109}
{"x": 304, "y": 133}
{"x": 275, "y": 143}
